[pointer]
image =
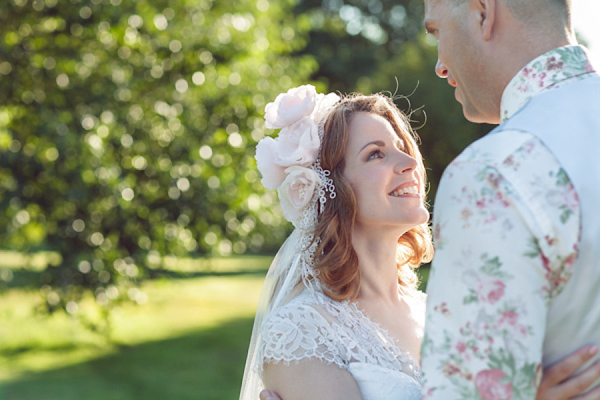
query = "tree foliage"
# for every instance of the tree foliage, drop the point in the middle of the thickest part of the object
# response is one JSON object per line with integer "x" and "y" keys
{"x": 127, "y": 128}
{"x": 127, "y": 132}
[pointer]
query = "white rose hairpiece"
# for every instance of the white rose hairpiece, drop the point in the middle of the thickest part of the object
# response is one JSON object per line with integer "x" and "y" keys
{"x": 290, "y": 163}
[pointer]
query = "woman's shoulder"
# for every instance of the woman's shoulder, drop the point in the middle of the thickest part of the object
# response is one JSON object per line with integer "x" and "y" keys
{"x": 305, "y": 307}
{"x": 299, "y": 330}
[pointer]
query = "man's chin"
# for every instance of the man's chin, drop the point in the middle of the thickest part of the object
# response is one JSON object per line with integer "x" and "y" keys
{"x": 478, "y": 118}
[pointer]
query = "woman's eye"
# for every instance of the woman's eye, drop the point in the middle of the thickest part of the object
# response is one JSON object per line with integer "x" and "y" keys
{"x": 375, "y": 154}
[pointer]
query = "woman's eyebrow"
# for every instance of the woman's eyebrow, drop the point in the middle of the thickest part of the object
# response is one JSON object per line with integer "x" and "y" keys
{"x": 376, "y": 142}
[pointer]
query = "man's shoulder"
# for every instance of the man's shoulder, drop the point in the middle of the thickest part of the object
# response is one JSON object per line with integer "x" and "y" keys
{"x": 495, "y": 148}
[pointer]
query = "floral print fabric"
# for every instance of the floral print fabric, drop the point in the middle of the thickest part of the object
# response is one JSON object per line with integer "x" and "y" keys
{"x": 506, "y": 228}
{"x": 548, "y": 71}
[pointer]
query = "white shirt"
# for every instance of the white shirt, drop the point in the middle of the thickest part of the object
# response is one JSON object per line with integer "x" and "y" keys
{"x": 506, "y": 229}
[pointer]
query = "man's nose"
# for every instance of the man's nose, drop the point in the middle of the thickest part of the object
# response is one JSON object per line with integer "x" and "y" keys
{"x": 441, "y": 70}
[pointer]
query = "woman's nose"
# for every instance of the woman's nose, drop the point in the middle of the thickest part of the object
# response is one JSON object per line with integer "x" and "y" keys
{"x": 441, "y": 70}
{"x": 405, "y": 164}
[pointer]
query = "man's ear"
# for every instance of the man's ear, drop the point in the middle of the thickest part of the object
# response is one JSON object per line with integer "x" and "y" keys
{"x": 486, "y": 16}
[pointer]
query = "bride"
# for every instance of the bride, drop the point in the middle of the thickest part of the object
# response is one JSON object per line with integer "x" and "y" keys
{"x": 340, "y": 316}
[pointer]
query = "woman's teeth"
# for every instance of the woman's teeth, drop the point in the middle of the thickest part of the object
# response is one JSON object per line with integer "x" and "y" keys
{"x": 405, "y": 190}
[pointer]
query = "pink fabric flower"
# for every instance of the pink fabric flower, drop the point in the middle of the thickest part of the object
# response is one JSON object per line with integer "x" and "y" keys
{"x": 296, "y": 191}
{"x": 490, "y": 291}
{"x": 267, "y": 161}
{"x": 298, "y": 144}
{"x": 290, "y": 107}
{"x": 553, "y": 64}
{"x": 450, "y": 369}
{"x": 323, "y": 105}
{"x": 509, "y": 321}
{"x": 489, "y": 385}
{"x": 571, "y": 199}
{"x": 589, "y": 67}
{"x": 510, "y": 317}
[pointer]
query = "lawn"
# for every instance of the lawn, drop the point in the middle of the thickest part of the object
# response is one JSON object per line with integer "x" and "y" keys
{"x": 188, "y": 341}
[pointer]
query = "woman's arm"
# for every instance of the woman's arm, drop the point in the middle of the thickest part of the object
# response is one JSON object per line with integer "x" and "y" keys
{"x": 557, "y": 382}
{"x": 310, "y": 379}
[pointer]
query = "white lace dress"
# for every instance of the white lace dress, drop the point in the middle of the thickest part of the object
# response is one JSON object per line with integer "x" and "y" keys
{"x": 312, "y": 326}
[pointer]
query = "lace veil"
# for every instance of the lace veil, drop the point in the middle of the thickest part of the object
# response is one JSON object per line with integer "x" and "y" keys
{"x": 292, "y": 268}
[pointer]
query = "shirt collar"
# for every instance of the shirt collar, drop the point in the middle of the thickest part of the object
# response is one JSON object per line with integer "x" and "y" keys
{"x": 548, "y": 71}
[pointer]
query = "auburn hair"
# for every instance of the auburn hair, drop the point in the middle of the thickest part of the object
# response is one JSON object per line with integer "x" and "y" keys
{"x": 336, "y": 261}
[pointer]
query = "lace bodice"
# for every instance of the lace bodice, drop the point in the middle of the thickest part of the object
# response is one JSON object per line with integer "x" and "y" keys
{"x": 314, "y": 326}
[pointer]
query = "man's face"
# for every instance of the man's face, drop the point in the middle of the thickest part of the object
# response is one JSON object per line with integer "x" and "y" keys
{"x": 460, "y": 58}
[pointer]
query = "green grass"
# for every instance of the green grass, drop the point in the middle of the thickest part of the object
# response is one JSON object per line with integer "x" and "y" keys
{"x": 204, "y": 364}
{"x": 188, "y": 341}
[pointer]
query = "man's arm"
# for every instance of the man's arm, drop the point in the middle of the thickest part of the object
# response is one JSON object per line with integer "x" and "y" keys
{"x": 499, "y": 260}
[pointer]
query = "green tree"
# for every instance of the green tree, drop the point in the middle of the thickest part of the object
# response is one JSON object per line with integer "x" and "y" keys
{"x": 127, "y": 132}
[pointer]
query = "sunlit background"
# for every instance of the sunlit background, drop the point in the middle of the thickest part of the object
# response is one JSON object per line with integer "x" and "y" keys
{"x": 134, "y": 231}
{"x": 586, "y": 19}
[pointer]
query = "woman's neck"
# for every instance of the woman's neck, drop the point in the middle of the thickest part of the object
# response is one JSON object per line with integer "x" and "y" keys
{"x": 377, "y": 262}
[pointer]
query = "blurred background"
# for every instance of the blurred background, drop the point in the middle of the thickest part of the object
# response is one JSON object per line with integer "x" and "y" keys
{"x": 135, "y": 232}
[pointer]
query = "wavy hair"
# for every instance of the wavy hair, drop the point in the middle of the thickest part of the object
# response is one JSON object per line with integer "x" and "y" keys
{"x": 337, "y": 263}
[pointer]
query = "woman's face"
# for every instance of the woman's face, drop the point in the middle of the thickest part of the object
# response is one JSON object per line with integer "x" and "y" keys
{"x": 383, "y": 177}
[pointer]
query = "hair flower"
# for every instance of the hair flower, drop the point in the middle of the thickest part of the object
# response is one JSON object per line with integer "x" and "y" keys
{"x": 290, "y": 107}
{"x": 267, "y": 162}
{"x": 290, "y": 162}
{"x": 323, "y": 105}
{"x": 299, "y": 143}
{"x": 296, "y": 191}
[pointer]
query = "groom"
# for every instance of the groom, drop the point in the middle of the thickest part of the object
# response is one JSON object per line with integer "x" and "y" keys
{"x": 515, "y": 282}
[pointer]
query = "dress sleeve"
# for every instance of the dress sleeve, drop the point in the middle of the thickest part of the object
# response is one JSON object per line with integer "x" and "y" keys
{"x": 506, "y": 240}
{"x": 299, "y": 332}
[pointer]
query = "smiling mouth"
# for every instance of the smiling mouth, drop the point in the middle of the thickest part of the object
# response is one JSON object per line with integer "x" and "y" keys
{"x": 405, "y": 190}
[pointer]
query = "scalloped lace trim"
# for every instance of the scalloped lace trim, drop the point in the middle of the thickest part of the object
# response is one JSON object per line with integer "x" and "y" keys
{"x": 312, "y": 326}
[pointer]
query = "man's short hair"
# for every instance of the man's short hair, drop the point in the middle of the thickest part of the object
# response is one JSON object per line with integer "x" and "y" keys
{"x": 527, "y": 10}
{"x": 535, "y": 10}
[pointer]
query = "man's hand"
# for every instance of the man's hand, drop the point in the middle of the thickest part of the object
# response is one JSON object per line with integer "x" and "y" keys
{"x": 557, "y": 382}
